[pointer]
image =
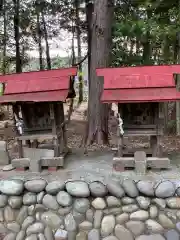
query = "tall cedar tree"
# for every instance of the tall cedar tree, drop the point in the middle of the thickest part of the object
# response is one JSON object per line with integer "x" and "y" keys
{"x": 97, "y": 130}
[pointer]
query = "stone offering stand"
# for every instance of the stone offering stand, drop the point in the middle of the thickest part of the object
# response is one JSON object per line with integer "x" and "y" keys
{"x": 76, "y": 210}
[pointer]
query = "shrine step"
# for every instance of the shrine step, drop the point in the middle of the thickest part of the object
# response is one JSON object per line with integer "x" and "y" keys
{"x": 140, "y": 163}
{"x": 34, "y": 165}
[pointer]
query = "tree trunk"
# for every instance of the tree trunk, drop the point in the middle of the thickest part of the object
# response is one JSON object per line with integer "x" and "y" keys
{"x": 4, "y": 38}
{"x": 89, "y": 11}
{"x": 178, "y": 79}
{"x": 17, "y": 36}
{"x": 41, "y": 66}
{"x": 178, "y": 86}
{"x": 100, "y": 57}
{"x": 47, "y": 44}
{"x": 147, "y": 43}
{"x": 78, "y": 32}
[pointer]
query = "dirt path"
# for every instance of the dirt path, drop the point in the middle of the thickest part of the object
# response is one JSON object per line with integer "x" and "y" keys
{"x": 98, "y": 164}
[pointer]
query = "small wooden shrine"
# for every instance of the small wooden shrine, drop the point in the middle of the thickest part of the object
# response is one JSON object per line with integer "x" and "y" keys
{"x": 140, "y": 93}
{"x": 37, "y": 102}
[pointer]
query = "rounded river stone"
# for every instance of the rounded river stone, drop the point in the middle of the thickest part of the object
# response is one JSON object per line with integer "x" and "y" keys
{"x": 107, "y": 225}
{"x": 94, "y": 234}
{"x": 98, "y": 215}
{"x": 153, "y": 226}
{"x": 51, "y": 219}
{"x": 172, "y": 235}
{"x": 15, "y": 201}
{"x": 54, "y": 187}
{"x": 40, "y": 197}
{"x": 50, "y": 202}
{"x": 165, "y": 221}
{"x": 97, "y": 189}
{"x": 27, "y": 222}
{"x": 115, "y": 189}
{"x": 21, "y": 235}
{"x": 37, "y": 227}
{"x": 153, "y": 212}
{"x": 122, "y": 218}
{"x": 130, "y": 188}
{"x": 99, "y": 203}
{"x": 146, "y": 187}
{"x": 81, "y": 205}
{"x": 10, "y": 236}
{"x": 143, "y": 202}
{"x": 136, "y": 227}
{"x": 70, "y": 223}
{"x": 173, "y": 202}
{"x": 3, "y": 200}
{"x": 36, "y": 185}
{"x": 78, "y": 188}
{"x": 11, "y": 187}
{"x": 151, "y": 237}
{"x": 64, "y": 199}
{"x": 122, "y": 233}
{"x": 48, "y": 233}
{"x": 13, "y": 227}
{"x": 113, "y": 201}
{"x": 140, "y": 215}
{"x": 29, "y": 198}
{"x": 9, "y": 214}
{"x": 165, "y": 189}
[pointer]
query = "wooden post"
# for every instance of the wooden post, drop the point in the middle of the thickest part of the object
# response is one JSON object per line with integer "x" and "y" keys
{"x": 54, "y": 130}
{"x": 120, "y": 136}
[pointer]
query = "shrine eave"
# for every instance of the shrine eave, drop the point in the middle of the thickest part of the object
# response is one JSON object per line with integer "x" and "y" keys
{"x": 140, "y": 95}
{"x": 47, "y": 96}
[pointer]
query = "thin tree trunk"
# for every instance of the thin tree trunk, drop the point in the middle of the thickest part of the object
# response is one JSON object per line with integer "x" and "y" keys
{"x": 100, "y": 55}
{"x": 17, "y": 36}
{"x": 166, "y": 57}
{"x": 47, "y": 44}
{"x": 4, "y": 38}
{"x": 178, "y": 79}
{"x": 41, "y": 66}
{"x": 178, "y": 86}
{"x": 89, "y": 11}
{"x": 147, "y": 44}
{"x": 78, "y": 31}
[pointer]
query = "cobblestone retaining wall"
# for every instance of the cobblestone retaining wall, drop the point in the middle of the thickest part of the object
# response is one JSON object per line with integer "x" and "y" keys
{"x": 76, "y": 210}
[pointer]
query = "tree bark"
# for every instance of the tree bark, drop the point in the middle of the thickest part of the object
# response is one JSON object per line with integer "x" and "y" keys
{"x": 41, "y": 65}
{"x": 100, "y": 57}
{"x": 78, "y": 32}
{"x": 178, "y": 87}
{"x": 89, "y": 11}
{"x": 48, "y": 58}
{"x": 4, "y": 38}
{"x": 17, "y": 35}
{"x": 147, "y": 43}
{"x": 178, "y": 79}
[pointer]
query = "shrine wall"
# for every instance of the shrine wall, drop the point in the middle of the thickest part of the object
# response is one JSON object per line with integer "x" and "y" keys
{"x": 77, "y": 210}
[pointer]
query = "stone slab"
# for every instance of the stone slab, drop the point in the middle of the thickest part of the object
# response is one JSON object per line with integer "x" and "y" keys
{"x": 140, "y": 162}
{"x": 158, "y": 163}
{"x": 21, "y": 162}
{"x": 4, "y": 157}
{"x": 52, "y": 162}
{"x": 37, "y": 153}
{"x": 35, "y": 165}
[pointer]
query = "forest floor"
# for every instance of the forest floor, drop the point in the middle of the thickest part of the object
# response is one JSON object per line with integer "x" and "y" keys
{"x": 97, "y": 164}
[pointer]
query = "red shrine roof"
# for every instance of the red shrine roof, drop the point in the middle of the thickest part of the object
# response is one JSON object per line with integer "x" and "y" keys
{"x": 38, "y": 86}
{"x": 140, "y": 84}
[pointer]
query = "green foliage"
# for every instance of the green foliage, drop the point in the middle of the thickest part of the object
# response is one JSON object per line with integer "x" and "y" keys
{"x": 145, "y": 32}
